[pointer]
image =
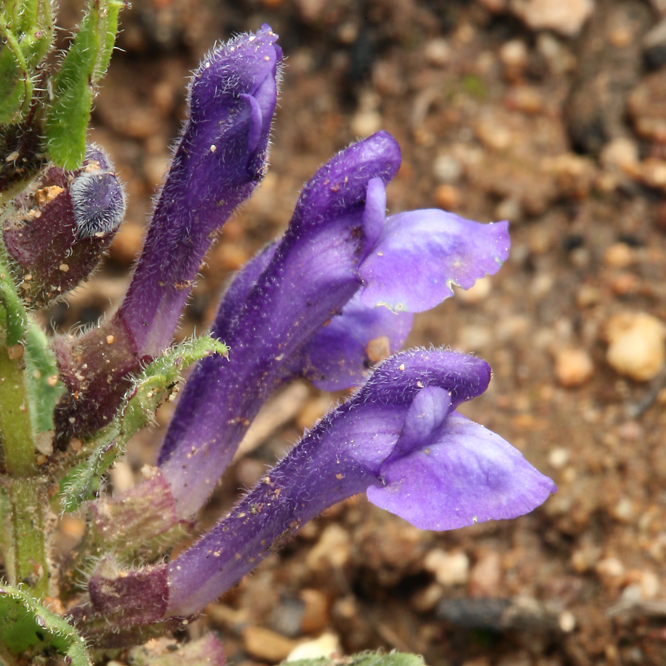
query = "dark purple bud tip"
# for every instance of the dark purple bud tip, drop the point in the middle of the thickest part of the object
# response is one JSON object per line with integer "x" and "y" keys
{"x": 99, "y": 204}
{"x": 57, "y": 230}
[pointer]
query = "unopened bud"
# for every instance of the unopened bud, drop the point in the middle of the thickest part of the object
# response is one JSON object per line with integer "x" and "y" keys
{"x": 58, "y": 229}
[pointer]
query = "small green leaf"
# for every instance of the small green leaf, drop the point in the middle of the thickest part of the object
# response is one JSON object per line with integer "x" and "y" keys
{"x": 73, "y": 85}
{"x": 156, "y": 383}
{"x": 27, "y": 34}
{"x": 24, "y": 623}
{"x": 44, "y": 387}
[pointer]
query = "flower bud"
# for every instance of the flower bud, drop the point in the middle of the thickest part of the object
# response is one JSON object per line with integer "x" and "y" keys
{"x": 57, "y": 230}
{"x": 220, "y": 159}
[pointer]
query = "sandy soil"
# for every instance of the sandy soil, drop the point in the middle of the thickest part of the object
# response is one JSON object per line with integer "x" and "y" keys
{"x": 502, "y": 111}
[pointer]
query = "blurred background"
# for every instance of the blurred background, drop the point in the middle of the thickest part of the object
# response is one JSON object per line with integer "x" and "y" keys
{"x": 549, "y": 113}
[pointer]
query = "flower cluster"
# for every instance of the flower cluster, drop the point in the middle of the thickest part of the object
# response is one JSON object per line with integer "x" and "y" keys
{"x": 334, "y": 294}
{"x": 331, "y": 301}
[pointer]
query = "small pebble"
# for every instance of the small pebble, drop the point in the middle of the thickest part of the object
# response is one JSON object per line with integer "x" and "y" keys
{"x": 587, "y": 296}
{"x": 564, "y": 16}
{"x": 425, "y": 600}
{"x": 621, "y": 153}
{"x": 584, "y": 559}
{"x": 474, "y": 338}
{"x": 558, "y": 457}
{"x": 477, "y": 293}
{"x": 126, "y": 243}
{"x": 320, "y": 648}
{"x": 437, "y": 52}
{"x": 331, "y": 551}
{"x": 567, "y": 621}
{"x": 485, "y": 576}
{"x": 447, "y": 169}
{"x": 509, "y": 209}
{"x": 449, "y": 569}
{"x": 573, "y": 367}
{"x": 619, "y": 255}
{"x": 448, "y": 197}
{"x": 44, "y": 443}
{"x": 266, "y": 644}
{"x": 649, "y": 585}
{"x": 364, "y": 123}
{"x": 625, "y": 284}
{"x": 636, "y": 345}
{"x": 513, "y": 55}
{"x": 315, "y": 612}
{"x": 623, "y": 511}
{"x": 610, "y": 567}
{"x": 15, "y": 351}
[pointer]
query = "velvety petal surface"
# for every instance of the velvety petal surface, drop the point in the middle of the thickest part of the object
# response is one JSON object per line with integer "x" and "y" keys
{"x": 309, "y": 277}
{"x": 460, "y": 475}
{"x": 420, "y": 254}
{"x": 343, "y": 350}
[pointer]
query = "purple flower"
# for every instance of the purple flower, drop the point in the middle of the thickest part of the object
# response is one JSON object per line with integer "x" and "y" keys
{"x": 399, "y": 439}
{"x": 221, "y": 157}
{"x": 307, "y": 305}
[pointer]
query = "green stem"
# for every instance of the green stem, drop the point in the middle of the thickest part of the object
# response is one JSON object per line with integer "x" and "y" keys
{"x": 15, "y": 426}
{"x": 27, "y": 561}
{"x": 16, "y": 318}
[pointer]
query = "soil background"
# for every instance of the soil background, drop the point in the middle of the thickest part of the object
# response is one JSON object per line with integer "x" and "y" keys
{"x": 551, "y": 114}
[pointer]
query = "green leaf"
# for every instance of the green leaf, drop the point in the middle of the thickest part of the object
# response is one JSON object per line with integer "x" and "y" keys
{"x": 24, "y": 624}
{"x": 26, "y": 29}
{"x": 44, "y": 387}
{"x": 156, "y": 383}
{"x": 364, "y": 659}
{"x": 73, "y": 85}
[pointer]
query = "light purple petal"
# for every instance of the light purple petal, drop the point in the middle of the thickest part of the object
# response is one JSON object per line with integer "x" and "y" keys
{"x": 463, "y": 475}
{"x": 374, "y": 214}
{"x": 340, "y": 353}
{"x": 427, "y": 412}
{"x": 421, "y": 253}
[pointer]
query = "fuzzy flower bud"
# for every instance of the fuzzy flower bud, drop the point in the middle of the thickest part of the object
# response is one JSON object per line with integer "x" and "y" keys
{"x": 221, "y": 157}
{"x": 58, "y": 229}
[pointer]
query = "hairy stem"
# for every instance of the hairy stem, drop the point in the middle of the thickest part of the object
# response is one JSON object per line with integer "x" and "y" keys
{"x": 26, "y": 556}
{"x": 15, "y": 427}
{"x": 25, "y": 551}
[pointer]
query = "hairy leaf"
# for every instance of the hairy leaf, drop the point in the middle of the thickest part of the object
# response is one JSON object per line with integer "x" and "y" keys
{"x": 74, "y": 84}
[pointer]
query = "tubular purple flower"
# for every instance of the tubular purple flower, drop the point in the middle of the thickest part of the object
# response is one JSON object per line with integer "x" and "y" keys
{"x": 399, "y": 439}
{"x": 280, "y": 316}
{"x": 301, "y": 282}
{"x": 221, "y": 157}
